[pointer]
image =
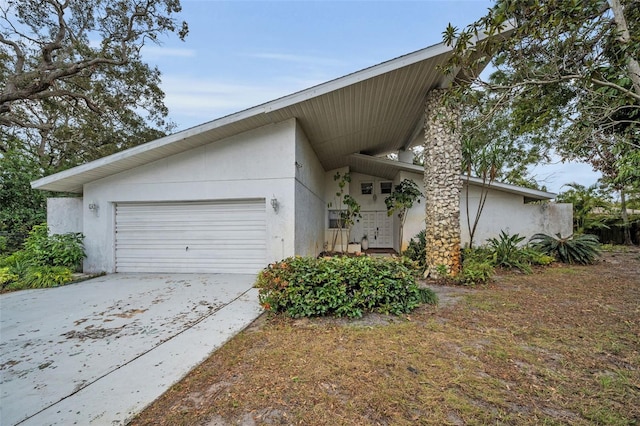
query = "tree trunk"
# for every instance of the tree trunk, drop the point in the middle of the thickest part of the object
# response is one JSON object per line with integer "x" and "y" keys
{"x": 626, "y": 227}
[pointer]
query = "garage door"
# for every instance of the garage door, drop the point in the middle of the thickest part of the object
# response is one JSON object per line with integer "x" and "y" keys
{"x": 211, "y": 237}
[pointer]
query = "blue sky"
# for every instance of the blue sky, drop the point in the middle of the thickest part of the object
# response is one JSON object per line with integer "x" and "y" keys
{"x": 243, "y": 53}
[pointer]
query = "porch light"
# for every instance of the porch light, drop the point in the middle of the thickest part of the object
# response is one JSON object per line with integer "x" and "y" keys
{"x": 93, "y": 206}
{"x": 275, "y": 204}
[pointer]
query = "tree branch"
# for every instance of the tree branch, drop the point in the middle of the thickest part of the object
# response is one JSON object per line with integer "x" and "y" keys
{"x": 56, "y": 44}
{"x": 625, "y": 37}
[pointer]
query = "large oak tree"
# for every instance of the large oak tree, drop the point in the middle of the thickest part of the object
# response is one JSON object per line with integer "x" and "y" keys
{"x": 73, "y": 85}
{"x": 73, "y": 88}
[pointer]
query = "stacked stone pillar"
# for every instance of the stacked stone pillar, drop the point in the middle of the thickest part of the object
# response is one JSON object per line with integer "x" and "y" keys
{"x": 442, "y": 169}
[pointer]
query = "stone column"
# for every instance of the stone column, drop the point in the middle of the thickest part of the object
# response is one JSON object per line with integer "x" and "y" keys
{"x": 442, "y": 169}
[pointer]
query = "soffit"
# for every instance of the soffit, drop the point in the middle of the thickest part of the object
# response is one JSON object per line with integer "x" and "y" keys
{"x": 373, "y": 111}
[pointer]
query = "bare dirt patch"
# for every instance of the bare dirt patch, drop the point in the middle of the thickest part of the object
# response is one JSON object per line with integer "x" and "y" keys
{"x": 561, "y": 346}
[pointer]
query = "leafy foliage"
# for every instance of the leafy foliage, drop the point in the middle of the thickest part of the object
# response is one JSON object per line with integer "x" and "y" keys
{"x": 54, "y": 250}
{"x": 21, "y": 207}
{"x": 401, "y": 200}
{"x": 340, "y": 286}
{"x": 46, "y": 276}
{"x": 585, "y": 200}
{"x": 417, "y": 250}
{"x": 567, "y": 78}
{"x": 581, "y": 249}
{"x": 7, "y": 277}
{"x": 475, "y": 272}
{"x": 47, "y": 56}
{"x": 44, "y": 261}
{"x": 506, "y": 252}
{"x": 73, "y": 86}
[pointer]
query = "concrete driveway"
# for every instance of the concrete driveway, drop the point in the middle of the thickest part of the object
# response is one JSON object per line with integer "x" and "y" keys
{"x": 99, "y": 351}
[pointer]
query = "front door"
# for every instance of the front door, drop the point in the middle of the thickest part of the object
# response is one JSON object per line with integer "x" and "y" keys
{"x": 377, "y": 226}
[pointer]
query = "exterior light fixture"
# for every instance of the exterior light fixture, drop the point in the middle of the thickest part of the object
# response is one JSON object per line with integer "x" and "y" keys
{"x": 93, "y": 206}
{"x": 275, "y": 204}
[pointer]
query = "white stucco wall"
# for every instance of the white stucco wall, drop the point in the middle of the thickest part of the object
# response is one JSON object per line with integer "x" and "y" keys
{"x": 502, "y": 211}
{"x": 64, "y": 214}
{"x": 508, "y": 212}
{"x": 310, "y": 207}
{"x": 259, "y": 164}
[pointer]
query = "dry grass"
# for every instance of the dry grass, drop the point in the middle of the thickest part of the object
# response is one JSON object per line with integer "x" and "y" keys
{"x": 560, "y": 346}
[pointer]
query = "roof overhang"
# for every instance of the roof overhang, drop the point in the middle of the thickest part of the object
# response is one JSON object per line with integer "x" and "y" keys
{"x": 375, "y": 111}
{"x": 388, "y": 169}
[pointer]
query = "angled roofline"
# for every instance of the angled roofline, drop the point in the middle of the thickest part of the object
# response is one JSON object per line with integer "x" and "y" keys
{"x": 134, "y": 156}
{"x": 265, "y": 108}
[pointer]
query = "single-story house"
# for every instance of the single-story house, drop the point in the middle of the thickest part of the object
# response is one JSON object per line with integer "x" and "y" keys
{"x": 239, "y": 192}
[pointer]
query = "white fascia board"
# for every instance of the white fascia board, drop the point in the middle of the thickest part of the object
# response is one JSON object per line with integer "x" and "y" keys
{"x": 521, "y": 190}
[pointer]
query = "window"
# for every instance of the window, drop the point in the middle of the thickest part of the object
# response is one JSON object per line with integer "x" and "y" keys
{"x": 366, "y": 188}
{"x": 334, "y": 219}
{"x": 385, "y": 187}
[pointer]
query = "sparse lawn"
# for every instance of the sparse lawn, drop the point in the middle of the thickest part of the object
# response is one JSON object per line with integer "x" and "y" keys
{"x": 560, "y": 346}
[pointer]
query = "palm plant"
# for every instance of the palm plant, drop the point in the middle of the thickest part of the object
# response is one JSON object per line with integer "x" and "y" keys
{"x": 582, "y": 249}
{"x": 585, "y": 201}
{"x": 507, "y": 253}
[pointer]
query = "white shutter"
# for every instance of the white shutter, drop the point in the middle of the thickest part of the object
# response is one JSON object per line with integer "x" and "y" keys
{"x": 207, "y": 237}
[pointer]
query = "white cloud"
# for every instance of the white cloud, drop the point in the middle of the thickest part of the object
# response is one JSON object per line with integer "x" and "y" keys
{"x": 298, "y": 59}
{"x": 192, "y": 101}
{"x": 154, "y": 52}
{"x": 554, "y": 176}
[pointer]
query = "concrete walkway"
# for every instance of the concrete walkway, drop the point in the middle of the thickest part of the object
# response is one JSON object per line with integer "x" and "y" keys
{"x": 98, "y": 352}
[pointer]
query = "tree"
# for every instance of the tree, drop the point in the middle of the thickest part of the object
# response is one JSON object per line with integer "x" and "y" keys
{"x": 348, "y": 209}
{"x": 69, "y": 98}
{"x": 492, "y": 152}
{"x": 585, "y": 200}
{"x": 21, "y": 207}
{"x": 567, "y": 72}
{"x": 401, "y": 200}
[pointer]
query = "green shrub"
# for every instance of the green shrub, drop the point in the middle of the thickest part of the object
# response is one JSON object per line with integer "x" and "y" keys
{"x": 44, "y": 261}
{"x": 536, "y": 257}
{"x": 14, "y": 259}
{"x": 582, "y": 249}
{"x": 475, "y": 272}
{"x": 340, "y": 286}
{"x": 4, "y": 244}
{"x": 428, "y": 296}
{"x": 417, "y": 250}
{"x": 7, "y": 277}
{"x": 54, "y": 250}
{"x": 507, "y": 252}
{"x": 45, "y": 277}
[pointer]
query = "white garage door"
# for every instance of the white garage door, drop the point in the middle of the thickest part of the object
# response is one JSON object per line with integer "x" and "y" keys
{"x": 211, "y": 237}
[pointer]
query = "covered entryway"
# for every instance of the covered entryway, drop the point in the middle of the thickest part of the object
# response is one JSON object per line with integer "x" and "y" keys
{"x": 194, "y": 237}
{"x": 377, "y": 226}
